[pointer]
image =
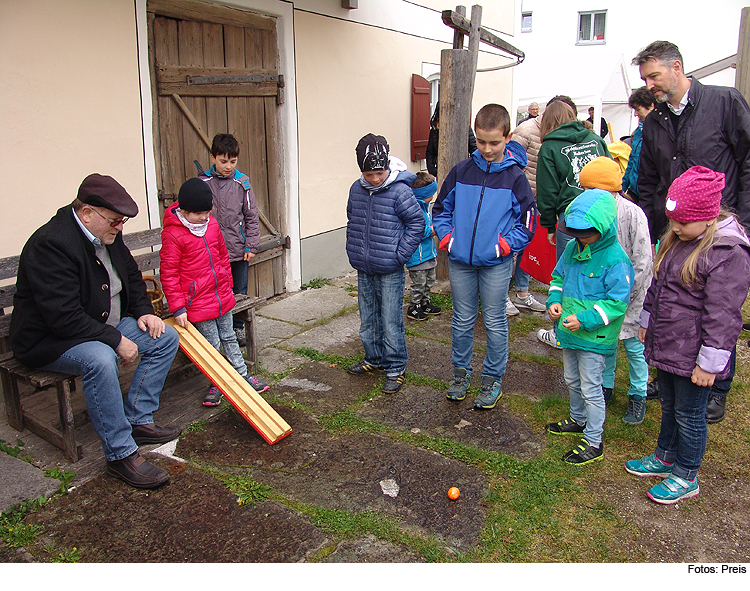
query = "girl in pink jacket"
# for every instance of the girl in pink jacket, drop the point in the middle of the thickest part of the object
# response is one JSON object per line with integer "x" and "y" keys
{"x": 197, "y": 277}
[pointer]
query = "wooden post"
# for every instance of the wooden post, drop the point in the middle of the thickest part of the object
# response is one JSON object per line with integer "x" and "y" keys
{"x": 742, "y": 77}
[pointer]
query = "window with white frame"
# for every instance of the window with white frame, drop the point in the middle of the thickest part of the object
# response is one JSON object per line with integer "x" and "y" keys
{"x": 526, "y": 22}
{"x": 591, "y": 26}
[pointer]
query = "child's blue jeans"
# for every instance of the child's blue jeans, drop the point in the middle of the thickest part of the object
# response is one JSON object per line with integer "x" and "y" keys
{"x": 683, "y": 434}
{"x": 637, "y": 371}
{"x": 381, "y": 313}
{"x": 583, "y": 375}
{"x": 220, "y": 332}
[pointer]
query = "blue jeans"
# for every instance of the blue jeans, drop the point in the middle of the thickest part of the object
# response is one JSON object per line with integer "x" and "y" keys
{"x": 468, "y": 285}
{"x": 219, "y": 332}
{"x": 520, "y": 277}
{"x": 583, "y": 375}
{"x": 382, "y": 329}
{"x": 638, "y": 369}
{"x": 239, "y": 278}
{"x": 683, "y": 434}
{"x": 98, "y": 364}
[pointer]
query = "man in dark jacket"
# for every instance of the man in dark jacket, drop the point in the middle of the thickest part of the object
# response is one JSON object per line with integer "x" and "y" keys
{"x": 691, "y": 125}
{"x": 81, "y": 304}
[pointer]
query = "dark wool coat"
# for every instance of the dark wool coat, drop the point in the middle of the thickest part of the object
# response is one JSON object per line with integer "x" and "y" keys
{"x": 62, "y": 296}
{"x": 713, "y": 131}
{"x": 384, "y": 228}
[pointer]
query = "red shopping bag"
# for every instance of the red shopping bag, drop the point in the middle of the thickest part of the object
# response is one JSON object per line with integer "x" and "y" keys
{"x": 539, "y": 257}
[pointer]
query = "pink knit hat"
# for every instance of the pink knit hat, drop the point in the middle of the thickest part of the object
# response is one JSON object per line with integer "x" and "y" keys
{"x": 695, "y": 195}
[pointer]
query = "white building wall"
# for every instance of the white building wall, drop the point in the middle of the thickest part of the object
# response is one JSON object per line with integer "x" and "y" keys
{"x": 705, "y": 33}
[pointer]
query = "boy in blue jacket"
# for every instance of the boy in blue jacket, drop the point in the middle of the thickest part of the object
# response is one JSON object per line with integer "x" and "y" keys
{"x": 385, "y": 225}
{"x": 482, "y": 216}
{"x": 423, "y": 262}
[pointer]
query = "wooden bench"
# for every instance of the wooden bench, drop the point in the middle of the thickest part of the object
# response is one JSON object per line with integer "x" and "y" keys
{"x": 13, "y": 373}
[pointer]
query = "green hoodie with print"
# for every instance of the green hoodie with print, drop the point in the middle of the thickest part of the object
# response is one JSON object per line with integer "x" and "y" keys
{"x": 564, "y": 152}
{"x": 592, "y": 281}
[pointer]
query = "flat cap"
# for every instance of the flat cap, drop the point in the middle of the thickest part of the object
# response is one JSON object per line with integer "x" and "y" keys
{"x": 104, "y": 191}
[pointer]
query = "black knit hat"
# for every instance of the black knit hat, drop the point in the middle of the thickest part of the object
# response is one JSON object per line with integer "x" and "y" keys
{"x": 195, "y": 195}
{"x": 104, "y": 191}
{"x": 372, "y": 153}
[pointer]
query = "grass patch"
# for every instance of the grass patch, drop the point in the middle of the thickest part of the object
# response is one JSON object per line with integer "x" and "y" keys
{"x": 316, "y": 283}
{"x": 64, "y": 476}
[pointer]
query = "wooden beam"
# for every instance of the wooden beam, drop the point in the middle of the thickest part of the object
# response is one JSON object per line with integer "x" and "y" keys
{"x": 458, "y": 36}
{"x": 253, "y": 89}
{"x": 191, "y": 118}
{"x": 460, "y": 23}
{"x": 196, "y": 10}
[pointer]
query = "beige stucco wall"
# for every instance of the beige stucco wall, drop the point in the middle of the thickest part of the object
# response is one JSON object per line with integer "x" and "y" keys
{"x": 353, "y": 79}
{"x": 70, "y": 104}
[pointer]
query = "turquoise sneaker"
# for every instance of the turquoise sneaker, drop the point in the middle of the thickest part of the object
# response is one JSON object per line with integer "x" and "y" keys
{"x": 489, "y": 394}
{"x": 673, "y": 489}
{"x": 649, "y": 466}
{"x": 459, "y": 385}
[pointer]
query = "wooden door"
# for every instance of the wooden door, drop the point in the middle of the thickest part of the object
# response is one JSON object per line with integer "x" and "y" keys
{"x": 216, "y": 70}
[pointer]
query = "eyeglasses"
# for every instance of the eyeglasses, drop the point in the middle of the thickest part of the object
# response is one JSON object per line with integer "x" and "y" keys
{"x": 112, "y": 223}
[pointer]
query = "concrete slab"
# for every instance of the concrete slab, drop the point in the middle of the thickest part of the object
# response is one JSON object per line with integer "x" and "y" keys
{"x": 20, "y": 481}
{"x": 368, "y": 549}
{"x": 309, "y": 306}
{"x": 356, "y": 473}
{"x": 324, "y": 337}
{"x": 275, "y": 360}
{"x": 269, "y": 331}
{"x": 429, "y": 412}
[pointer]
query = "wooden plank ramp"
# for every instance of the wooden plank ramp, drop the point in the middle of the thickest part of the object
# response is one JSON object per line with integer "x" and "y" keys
{"x": 251, "y": 405}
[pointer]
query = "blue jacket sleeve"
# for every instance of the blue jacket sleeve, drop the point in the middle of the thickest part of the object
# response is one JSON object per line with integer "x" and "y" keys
{"x": 409, "y": 212}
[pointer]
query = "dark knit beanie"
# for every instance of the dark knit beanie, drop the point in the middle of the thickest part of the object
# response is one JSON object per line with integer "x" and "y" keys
{"x": 104, "y": 191}
{"x": 372, "y": 153}
{"x": 195, "y": 195}
{"x": 695, "y": 195}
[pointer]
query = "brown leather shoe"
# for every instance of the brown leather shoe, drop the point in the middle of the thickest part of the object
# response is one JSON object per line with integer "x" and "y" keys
{"x": 137, "y": 472}
{"x": 146, "y": 434}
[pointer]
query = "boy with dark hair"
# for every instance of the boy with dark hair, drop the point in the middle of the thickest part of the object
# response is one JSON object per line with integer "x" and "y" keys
{"x": 482, "y": 216}
{"x": 236, "y": 211}
{"x": 423, "y": 262}
{"x": 384, "y": 228}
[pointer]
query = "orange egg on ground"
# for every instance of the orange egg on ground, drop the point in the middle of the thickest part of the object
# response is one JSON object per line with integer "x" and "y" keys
{"x": 453, "y": 493}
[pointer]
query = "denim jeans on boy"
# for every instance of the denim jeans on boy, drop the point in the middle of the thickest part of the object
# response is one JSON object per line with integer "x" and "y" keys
{"x": 520, "y": 277}
{"x": 98, "y": 364}
{"x": 381, "y": 313}
{"x": 683, "y": 434}
{"x": 583, "y": 375}
{"x": 239, "y": 278}
{"x": 637, "y": 371}
{"x": 219, "y": 332}
{"x": 468, "y": 285}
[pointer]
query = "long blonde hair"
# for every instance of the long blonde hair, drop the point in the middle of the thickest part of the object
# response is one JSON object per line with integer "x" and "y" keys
{"x": 689, "y": 269}
{"x": 556, "y": 114}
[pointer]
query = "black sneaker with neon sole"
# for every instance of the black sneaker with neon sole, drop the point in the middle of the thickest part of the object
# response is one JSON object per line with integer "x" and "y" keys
{"x": 565, "y": 427}
{"x": 584, "y": 453}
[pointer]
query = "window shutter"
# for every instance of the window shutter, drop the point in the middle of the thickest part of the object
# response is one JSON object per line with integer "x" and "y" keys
{"x": 420, "y": 117}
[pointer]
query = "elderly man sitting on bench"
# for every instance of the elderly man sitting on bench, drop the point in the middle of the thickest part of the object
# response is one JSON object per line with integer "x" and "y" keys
{"x": 80, "y": 307}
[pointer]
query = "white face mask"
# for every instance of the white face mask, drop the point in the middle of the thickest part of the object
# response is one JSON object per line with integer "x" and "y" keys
{"x": 195, "y": 229}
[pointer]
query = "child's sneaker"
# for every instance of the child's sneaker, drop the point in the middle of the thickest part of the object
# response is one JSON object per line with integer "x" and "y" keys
{"x": 584, "y": 453}
{"x": 673, "y": 489}
{"x": 649, "y": 466}
{"x": 489, "y": 394}
{"x": 652, "y": 390}
{"x": 415, "y": 312}
{"x": 565, "y": 427}
{"x": 510, "y": 309}
{"x": 548, "y": 337}
{"x": 241, "y": 340}
{"x": 459, "y": 385}
{"x": 429, "y": 308}
{"x": 213, "y": 398}
{"x": 529, "y": 302}
{"x": 393, "y": 384}
{"x": 608, "y": 394}
{"x": 361, "y": 368}
{"x": 636, "y": 412}
{"x": 256, "y": 383}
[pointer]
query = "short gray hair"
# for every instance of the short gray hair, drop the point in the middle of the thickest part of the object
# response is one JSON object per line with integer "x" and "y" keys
{"x": 662, "y": 51}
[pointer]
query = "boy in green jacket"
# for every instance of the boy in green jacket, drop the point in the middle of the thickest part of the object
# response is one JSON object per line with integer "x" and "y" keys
{"x": 590, "y": 291}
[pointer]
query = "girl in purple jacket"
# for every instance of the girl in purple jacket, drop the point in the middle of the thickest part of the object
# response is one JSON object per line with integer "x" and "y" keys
{"x": 690, "y": 322}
